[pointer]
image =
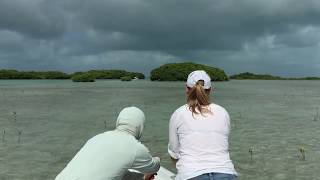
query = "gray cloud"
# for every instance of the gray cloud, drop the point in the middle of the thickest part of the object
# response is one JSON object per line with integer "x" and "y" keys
{"x": 274, "y": 36}
{"x": 190, "y": 25}
{"x": 37, "y": 18}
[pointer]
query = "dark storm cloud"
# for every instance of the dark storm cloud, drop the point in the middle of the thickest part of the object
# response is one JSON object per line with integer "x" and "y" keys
{"x": 36, "y": 18}
{"x": 192, "y": 25}
{"x": 276, "y": 36}
{"x": 10, "y": 41}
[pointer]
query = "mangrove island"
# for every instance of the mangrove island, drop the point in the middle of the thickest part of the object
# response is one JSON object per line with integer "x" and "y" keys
{"x": 180, "y": 71}
{"x": 248, "y": 75}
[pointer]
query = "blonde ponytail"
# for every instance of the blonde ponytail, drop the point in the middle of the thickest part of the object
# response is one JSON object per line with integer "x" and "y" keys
{"x": 197, "y": 97}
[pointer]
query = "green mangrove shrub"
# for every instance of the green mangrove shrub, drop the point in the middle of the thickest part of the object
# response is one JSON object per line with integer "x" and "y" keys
{"x": 248, "y": 75}
{"x": 180, "y": 72}
{"x": 83, "y": 77}
{"x": 115, "y": 74}
{"x": 126, "y": 78}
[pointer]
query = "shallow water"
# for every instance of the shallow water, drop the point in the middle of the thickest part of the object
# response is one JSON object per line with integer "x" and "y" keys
{"x": 55, "y": 118}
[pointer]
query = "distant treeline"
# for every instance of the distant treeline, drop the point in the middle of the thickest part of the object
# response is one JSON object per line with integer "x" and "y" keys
{"x": 111, "y": 74}
{"x": 166, "y": 72}
{"x": 14, "y": 74}
{"x": 248, "y": 75}
{"x": 95, "y": 74}
{"x": 90, "y": 76}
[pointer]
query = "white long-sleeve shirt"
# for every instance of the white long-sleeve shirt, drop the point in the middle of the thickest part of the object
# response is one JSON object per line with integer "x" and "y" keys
{"x": 200, "y": 143}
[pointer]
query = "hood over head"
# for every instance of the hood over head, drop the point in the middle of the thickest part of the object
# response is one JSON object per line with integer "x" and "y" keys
{"x": 131, "y": 120}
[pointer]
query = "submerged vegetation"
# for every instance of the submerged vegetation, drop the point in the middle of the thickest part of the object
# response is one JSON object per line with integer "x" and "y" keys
{"x": 251, "y": 153}
{"x": 302, "y": 151}
{"x": 317, "y": 115}
{"x": 180, "y": 71}
{"x": 248, "y": 75}
{"x": 4, "y": 136}
{"x": 19, "y": 136}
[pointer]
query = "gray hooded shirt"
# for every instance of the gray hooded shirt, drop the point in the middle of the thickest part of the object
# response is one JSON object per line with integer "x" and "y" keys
{"x": 109, "y": 155}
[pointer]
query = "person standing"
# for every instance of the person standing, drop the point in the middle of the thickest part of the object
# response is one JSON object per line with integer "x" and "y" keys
{"x": 198, "y": 134}
{"x": 109, "y": 156}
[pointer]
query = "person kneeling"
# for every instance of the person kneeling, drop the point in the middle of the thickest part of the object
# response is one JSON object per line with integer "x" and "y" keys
{"x": 109, "y": 156}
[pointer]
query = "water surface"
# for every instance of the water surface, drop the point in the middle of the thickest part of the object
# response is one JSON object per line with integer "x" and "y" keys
{"x": 47, "y": 121}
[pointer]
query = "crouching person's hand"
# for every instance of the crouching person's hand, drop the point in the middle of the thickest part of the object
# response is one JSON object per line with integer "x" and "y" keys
{"x": 150, "y": 176}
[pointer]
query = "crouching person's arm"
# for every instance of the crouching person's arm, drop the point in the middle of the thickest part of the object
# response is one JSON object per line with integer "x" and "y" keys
{"x": 145, "y": 163}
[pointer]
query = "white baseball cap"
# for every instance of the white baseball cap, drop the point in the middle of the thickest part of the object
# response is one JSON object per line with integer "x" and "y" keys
{"x": 195, "y": 76}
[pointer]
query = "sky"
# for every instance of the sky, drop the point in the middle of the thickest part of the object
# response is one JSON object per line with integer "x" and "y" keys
{"x": 279, "y": 37}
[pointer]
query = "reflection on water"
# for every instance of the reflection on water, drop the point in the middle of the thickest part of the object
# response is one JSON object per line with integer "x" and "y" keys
{"x": 44, "y": 123}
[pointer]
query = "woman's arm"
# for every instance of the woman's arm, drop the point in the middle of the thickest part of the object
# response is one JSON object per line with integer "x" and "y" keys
{"x": 173, "y": 146}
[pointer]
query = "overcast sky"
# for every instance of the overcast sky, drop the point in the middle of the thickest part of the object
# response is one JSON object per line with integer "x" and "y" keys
{"x": 280, "y": 37}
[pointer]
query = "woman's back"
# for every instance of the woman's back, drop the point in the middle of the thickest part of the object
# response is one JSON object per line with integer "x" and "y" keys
{"x": 201, "y": 141}
{"x": 198, "y": 133}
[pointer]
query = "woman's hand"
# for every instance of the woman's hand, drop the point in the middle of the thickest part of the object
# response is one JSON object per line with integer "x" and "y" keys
{"x": 174, "y": 161}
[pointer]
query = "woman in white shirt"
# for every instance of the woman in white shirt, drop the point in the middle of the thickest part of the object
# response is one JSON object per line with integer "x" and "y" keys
{"x": 198, "y": 134}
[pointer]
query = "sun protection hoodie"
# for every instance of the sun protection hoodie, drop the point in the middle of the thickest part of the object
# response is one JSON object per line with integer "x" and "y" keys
{"x": 109, "y": 155}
